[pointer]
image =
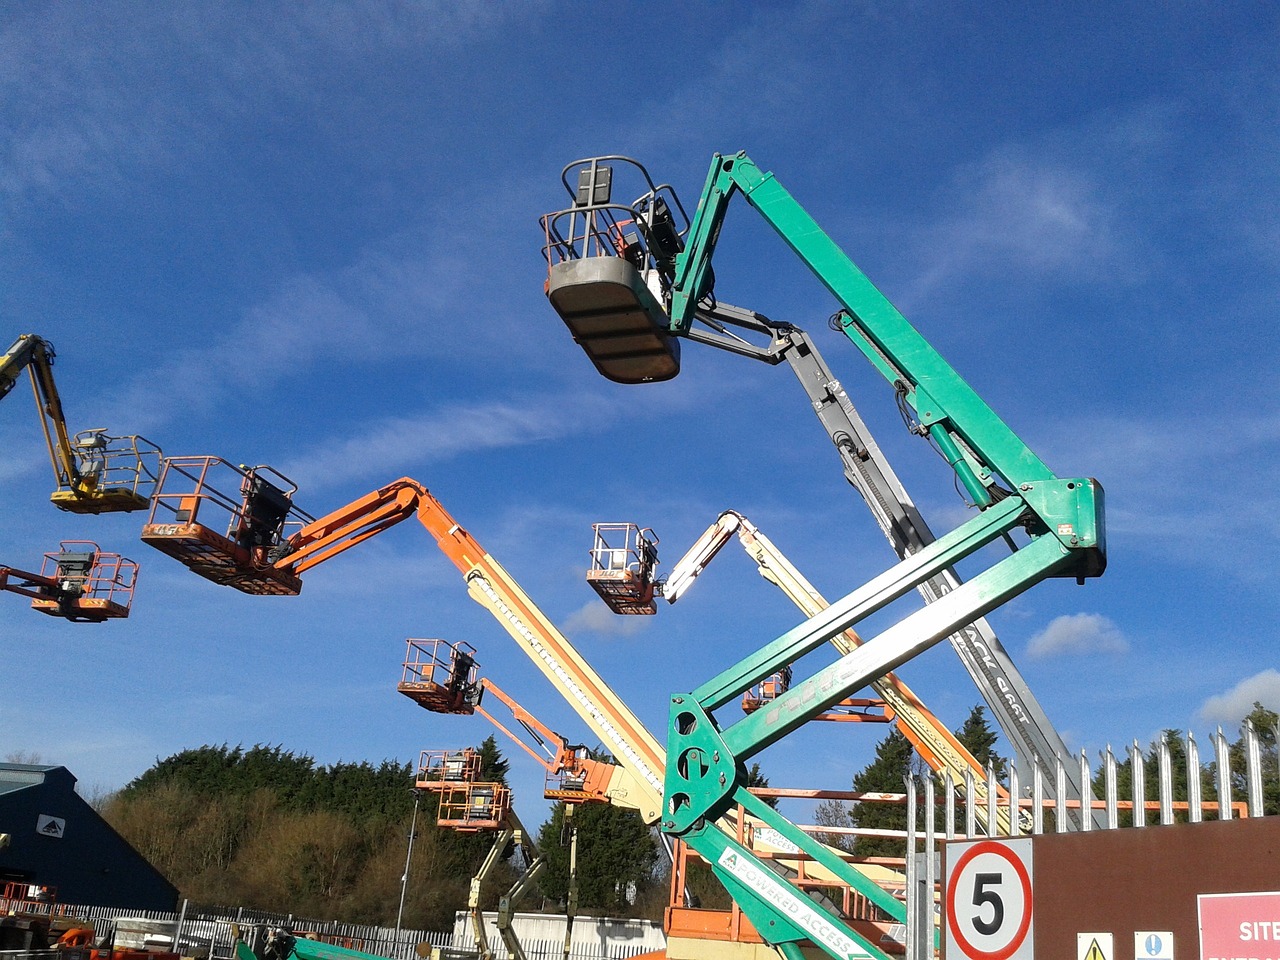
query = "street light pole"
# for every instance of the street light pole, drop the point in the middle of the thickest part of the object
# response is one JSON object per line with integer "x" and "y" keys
{"x": 404, "y": 878}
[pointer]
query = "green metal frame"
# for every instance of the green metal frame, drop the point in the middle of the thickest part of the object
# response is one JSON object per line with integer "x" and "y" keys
{"x": 1063, "y": 518}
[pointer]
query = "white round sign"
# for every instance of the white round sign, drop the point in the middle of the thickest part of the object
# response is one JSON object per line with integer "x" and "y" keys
{"x": 989, "y": 903}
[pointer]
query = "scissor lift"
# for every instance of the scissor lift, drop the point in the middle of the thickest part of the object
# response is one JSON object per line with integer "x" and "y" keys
{"x": 78, "y": 582}
{"x": 232, "y": 539}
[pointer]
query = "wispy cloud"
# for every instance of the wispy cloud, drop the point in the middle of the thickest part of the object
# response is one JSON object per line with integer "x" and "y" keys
{"x": 1077, "y": 634}
{"x": 1235, "y": 704}
{"x": 404, "y": 443}
{"x": 595, "y": 617}
{"x": 93, "y": 96}
{"x": 1143, "y": 464}
{"x": 1017, "y": 213}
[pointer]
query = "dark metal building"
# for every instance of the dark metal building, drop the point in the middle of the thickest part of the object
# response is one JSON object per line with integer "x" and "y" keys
{"x": 57, "y": 840}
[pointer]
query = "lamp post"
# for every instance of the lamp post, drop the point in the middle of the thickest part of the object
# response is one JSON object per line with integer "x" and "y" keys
{"x": 404, "y": 878}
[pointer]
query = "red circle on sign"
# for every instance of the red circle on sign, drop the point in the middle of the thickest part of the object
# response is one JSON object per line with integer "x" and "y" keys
{"x": 1020, "y": 870}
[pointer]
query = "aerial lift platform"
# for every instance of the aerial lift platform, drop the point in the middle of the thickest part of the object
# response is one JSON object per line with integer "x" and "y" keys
{"x": 1053, "y": 526}
{"x": 225, "y": 522}
{"x": 441, "y": 677}
{"x": 78, "y": 582}
{"x": 95, "y": 472}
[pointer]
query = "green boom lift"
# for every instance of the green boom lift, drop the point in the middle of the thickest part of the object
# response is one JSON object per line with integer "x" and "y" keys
{"x": 628, "y": 282}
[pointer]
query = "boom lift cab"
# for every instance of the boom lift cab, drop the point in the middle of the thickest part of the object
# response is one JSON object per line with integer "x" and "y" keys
{"x": 624, "y": 563}
{"x": 441, "y": 676}
{"x": 78, "y": 582}
{"x": 604, "y": 274}
{"x": 95, "y": 472}
{"x": 229, "y": 538}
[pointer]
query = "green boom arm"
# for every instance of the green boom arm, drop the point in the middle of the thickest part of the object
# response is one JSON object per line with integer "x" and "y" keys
{"x": 1013, "y": 488}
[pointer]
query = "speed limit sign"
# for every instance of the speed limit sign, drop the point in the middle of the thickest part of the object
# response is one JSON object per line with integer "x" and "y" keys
{"x": 989, "y": 905}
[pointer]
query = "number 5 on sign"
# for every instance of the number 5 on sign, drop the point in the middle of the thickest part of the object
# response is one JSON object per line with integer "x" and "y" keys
{"x": 989, "y": 906}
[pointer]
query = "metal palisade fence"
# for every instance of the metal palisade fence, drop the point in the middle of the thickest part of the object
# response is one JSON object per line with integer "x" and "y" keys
{"x": 942, "y": 809}
{"x": 212, "y": 933}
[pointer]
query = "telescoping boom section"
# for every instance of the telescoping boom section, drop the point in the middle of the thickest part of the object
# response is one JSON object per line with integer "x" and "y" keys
{"x": 638, "y": 782}
{"x": 95, "y": 472}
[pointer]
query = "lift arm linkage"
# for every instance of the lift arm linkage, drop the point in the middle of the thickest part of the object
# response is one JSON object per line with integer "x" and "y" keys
{"x": 572, "y": 775}
{"x": 977, "y": 443}
{"x": 939, "y": 747}
{"x": 1013, "y": 488}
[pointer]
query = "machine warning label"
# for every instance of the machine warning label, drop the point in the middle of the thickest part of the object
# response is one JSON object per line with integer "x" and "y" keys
{"x": 797, "y": 909}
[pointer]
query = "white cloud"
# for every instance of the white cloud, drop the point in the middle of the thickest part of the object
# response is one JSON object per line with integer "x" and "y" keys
{"x": 402, "y": 443}
{"x": 1234, "y": 705}
{"x": 1076, "y": 634}
{"x": 1022, "y": 214}
{"x": 595, "y": 617}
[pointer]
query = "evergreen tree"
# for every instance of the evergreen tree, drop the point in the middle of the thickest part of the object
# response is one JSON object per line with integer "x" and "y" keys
{"x": 756, "y": 778}
{"x": 617, "y": 854}
{"x": 980, "y": 740}
{"x": 885, "y": 774}
{"x": 976, "y": 736}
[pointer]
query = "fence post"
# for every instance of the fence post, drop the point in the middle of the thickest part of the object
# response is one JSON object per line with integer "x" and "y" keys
{"x": 993, "y": 825}
{"x": 916, "y": 899}
{"x": 1253, "y": 767}
{"x": 1086, "y": 793}
{"x": 970, "y": 805}
{"x": 1110, "y": 788}
{"x": 1138, "y": 773}
{"x": 1194, "y": 811}
{"x": 1165, "y": 773}
{"x": 1063, "y": 823}
{"x": 1222, "y": 754}
{"x": 1015, "y": 794}
{"x": 949, "y": 789}
{"x": 1037, "y": 797}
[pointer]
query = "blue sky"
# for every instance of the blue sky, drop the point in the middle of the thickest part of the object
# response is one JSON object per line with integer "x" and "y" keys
{"x": 308, "y": 237}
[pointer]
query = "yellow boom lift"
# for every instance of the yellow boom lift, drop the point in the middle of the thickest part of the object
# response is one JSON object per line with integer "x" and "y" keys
{"x": 95, "y": 472}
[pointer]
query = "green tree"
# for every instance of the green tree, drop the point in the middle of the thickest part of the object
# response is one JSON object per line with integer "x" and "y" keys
{"x": 756, "y": 778}
{"x": 617, "y": 854}
{"x": 895, "y": 760}
{"x": 269, "y": 829}
{"x": 980, "y": 740}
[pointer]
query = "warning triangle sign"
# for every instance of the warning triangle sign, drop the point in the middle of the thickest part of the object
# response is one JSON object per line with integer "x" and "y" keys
{"x": 1095, "y": 951}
